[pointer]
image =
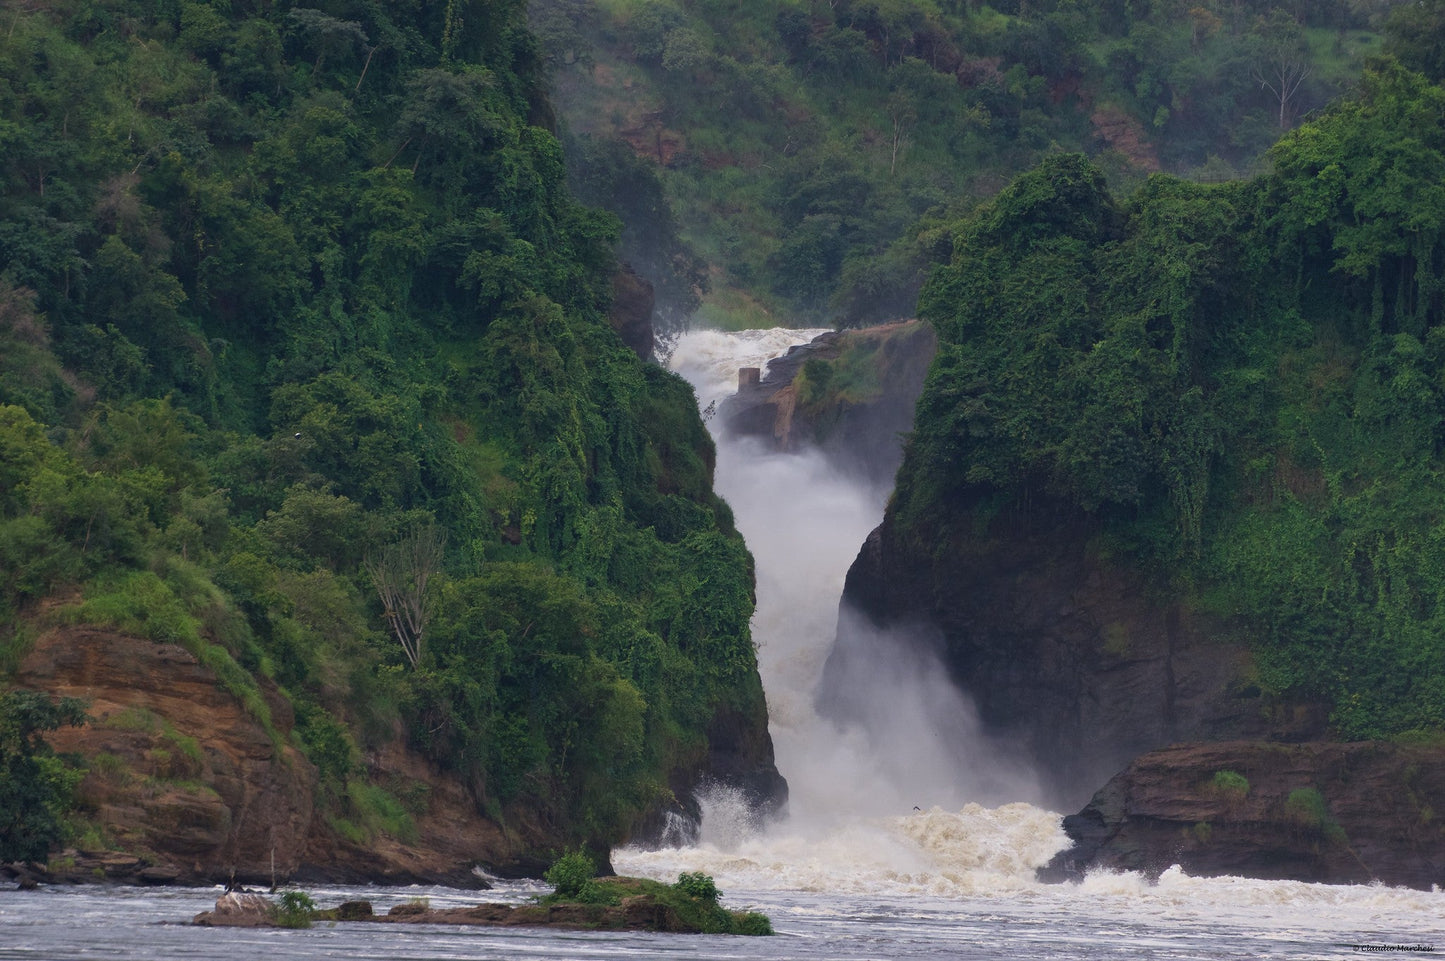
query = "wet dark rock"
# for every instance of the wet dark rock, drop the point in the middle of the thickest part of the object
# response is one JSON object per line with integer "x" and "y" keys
{"x": 633, "y": 301}
{"x": 1327, "y": 812}
{"x": 1067, "y": 651}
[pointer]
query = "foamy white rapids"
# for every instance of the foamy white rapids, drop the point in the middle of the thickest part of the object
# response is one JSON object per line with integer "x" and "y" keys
{"x": 940, "y": 853}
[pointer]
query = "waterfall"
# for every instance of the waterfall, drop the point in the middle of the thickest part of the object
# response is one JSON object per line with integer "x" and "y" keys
{"x": 893, "y": 794}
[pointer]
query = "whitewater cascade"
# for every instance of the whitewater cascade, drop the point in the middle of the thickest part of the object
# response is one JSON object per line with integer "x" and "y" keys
{"x": 854, "y": 874}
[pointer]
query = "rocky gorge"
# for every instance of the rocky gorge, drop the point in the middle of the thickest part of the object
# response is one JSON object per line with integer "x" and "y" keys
{"x": 1079, "y": 665}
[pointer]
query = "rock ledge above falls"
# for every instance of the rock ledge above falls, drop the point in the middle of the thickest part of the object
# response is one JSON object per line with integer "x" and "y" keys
{"x": 859, "y": 416}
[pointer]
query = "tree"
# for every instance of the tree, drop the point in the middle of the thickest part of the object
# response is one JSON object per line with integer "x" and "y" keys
{"x": 35, "y": 788}
{"x": 1415, "y": 33}
{"x": 326, "y": 34}
{"x": 1284, "y": 62}
{"x": 401, "y": 574}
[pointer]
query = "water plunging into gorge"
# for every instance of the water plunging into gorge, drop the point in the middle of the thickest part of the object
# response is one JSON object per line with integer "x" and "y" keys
{"x": 853, "y": 787}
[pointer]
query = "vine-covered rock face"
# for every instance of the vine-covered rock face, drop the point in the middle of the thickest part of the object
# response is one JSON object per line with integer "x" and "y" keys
{"x": 1339, "y": 813}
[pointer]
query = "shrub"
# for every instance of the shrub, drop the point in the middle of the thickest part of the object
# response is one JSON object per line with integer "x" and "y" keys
{"x": 1306, "y": 807}
{"x": 295, "y": 910}
{"x": 570, "y": 873}
{"x": 1230, "y": 784}
{"x": 698, "y": 886}
{"x": 37, "y": 788}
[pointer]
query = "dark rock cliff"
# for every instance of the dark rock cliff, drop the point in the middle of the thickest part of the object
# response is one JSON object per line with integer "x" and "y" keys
{"x": 1066, "y": 650}
{"x": 740, "y": 758}
{"x": 1342, "y": 813}
{"x": 633, "y": 300}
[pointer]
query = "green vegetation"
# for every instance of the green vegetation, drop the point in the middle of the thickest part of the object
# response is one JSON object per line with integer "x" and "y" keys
{"x": 305, "y": 367}
{"x": 698, "y": 885}
{"x": 1306, "y": 809}
{"x": 689, "y": 905}
{"x": 1230, "y": 784}
{"x": 1238, "y": 385}
{"x": 571, "y": 877}
{"x": 808, "y": 150}
{"x": 36, "y": 786}
{"x": 295, "y": 910}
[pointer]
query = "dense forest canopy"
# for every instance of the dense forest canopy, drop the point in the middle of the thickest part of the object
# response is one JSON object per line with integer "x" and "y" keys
{"x": 1240, "y": 384}
{"x": 304, "y": 365}
{"x": 810, "y": 150}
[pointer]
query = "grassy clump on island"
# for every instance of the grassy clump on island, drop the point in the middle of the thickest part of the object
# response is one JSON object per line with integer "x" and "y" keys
{"x": 689, "y": 905}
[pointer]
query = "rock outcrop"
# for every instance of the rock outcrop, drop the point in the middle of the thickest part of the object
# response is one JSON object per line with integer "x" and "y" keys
{"x": 633, "y": 300}
{"x": 189, "y": 786}
{"x": 857, "y": 402}
{"x": 1065, "y": 649}
{"x": 239, "y": 909}
{"x": 182, "y": 776}
{"x": 1330, "y": 812}
{"x": 626, "y": 904}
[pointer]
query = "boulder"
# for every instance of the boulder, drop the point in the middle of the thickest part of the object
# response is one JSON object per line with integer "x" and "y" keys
{"x": 239, "y": 909}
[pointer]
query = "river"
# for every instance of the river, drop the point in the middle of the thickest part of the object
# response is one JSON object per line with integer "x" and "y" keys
{"x": 855, "y": 872}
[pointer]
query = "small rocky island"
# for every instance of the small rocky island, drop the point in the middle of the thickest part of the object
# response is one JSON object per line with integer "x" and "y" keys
{"x": 597, "y": 904}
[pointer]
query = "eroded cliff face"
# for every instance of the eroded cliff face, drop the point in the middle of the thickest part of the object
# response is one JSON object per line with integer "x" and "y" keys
{"x": 1342, "y": 813}
{"x": 187, "y": 785}
{"x": 1068, "y": 652}
{"x": 181, "y": 776}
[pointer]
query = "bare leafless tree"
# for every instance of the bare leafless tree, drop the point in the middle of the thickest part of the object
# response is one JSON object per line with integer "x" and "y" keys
{"x": 401, "y": 574}
{"x": 1284, "y": 65}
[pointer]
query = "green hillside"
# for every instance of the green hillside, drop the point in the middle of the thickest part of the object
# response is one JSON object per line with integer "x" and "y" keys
{"x": 1238, "y": 386}
{"x": 305, "y": 366}
{"x": 808, "y": 151}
